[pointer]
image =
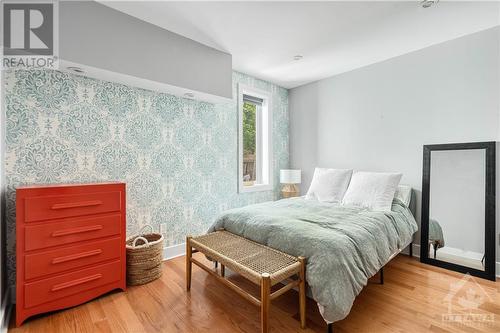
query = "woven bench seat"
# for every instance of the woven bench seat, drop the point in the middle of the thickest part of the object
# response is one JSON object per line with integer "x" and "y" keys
{"x": 258, "y": 263}
{"x": 248, "y": 258}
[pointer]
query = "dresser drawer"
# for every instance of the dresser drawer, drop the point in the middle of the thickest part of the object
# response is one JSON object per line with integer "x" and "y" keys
{"x": 67, "y": 258}
{"x": 51, "y": 289}
{"x": 71, "y": 230}
{"x": 54, "y": 207}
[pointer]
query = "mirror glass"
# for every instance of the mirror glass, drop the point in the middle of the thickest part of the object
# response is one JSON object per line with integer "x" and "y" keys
{"x": 457, "y": 207}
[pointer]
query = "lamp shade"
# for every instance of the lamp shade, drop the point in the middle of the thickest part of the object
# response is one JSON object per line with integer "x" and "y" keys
{"x": 290, "y": 176}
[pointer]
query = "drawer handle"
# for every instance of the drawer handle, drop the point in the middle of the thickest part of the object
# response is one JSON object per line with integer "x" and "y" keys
{"x": 76, "y": 204}
{"x": 72, "y": 231}
{"x": 76, "y": 256}
{"x": 76, "y": 282}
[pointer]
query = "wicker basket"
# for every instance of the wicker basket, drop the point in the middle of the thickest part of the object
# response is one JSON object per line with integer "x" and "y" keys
{"x": 144, "y": 257}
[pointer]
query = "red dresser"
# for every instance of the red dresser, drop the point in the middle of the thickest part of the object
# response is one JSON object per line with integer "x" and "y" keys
{"x": 70, "y": 245}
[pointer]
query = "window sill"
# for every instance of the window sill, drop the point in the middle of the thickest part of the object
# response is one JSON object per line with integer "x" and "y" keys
{"x": 255, "y": 188}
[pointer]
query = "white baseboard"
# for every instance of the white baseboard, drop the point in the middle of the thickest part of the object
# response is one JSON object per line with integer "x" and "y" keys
{"x": 5, "y": 310}
{"x": 416, "y": 250}
{"x": 416, "y": 254}
{"x": 461, "y": 253}
{"x": 174, "y": 251}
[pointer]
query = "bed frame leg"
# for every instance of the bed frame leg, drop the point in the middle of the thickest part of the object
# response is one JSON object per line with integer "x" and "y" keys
{"x": 382, "y": 275}
{"x": 329, "y": 328}
{"x": 411, "y": 249}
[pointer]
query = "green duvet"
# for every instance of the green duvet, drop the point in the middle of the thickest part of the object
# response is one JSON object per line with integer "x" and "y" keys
{"x": 344, "y": 245}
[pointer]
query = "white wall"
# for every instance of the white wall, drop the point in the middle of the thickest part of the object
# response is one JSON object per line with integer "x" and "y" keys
{"x": 379, "y": 117}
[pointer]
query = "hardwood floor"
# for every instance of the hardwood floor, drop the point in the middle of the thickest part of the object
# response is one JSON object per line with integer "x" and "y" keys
{"x": 413, "y": 299}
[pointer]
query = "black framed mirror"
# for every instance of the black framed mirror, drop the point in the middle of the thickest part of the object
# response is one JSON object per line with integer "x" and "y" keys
{"x": 458, "y": 207}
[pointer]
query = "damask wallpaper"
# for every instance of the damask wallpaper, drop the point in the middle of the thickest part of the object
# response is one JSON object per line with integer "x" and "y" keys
{"x": 177, "y": 156}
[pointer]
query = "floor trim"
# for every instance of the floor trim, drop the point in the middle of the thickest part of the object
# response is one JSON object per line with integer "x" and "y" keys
{"x": 459, "y": 253}
{"x": 416, "y": 254}
{"x": 174, "y": 251}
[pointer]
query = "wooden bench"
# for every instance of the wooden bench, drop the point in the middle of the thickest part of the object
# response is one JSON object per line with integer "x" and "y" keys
{"x": 258, "y": 263}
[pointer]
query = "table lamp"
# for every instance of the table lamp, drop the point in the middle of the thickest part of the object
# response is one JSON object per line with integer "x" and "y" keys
{"x": 290, "y": 178}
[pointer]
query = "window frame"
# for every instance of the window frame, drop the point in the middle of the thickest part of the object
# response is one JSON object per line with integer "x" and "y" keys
{"x": 264, "y": 141}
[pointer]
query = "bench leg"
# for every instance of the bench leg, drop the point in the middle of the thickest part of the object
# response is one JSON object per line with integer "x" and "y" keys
{"x": 189, "y": 264}
{"x": 382, "y": 275}
{"x": 329, "y": 328}
{"x": 222, "y": 270}
{"x": 265, "y": 292}
{"x": 302, "y": 292}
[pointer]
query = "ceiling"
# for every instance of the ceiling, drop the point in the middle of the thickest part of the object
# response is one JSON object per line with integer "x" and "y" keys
{"x": 332, "y": 37}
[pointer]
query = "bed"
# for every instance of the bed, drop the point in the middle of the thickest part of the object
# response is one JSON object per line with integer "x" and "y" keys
{"x": 344, "y": 245}
{"x": 436, "y": 238}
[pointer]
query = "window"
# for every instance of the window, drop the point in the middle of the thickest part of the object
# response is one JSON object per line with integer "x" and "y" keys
{"x": 255, "y": 143}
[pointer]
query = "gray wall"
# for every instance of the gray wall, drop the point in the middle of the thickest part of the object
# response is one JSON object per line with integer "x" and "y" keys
{"x": 378, "y": 117}
{"x": 95, "y": 35}
{"x": 303, "y": 131}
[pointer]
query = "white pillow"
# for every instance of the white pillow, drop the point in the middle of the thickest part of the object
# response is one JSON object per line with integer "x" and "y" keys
{"x": 373, "y": 190}
{"x": 403, "y": 193}
{"x": 329, "y": 185}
